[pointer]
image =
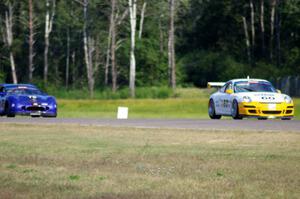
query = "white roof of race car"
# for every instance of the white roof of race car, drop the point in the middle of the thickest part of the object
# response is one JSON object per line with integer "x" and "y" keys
{"x": 254, "y": 80}
{"x": 220, "y": 84}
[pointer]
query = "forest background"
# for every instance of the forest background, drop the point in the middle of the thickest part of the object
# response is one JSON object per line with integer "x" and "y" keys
{"x": 122, "y": 44}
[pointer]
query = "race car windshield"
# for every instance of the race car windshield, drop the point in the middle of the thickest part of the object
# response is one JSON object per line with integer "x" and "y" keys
{"x": 25, "y": 91}
{"x": 255, "y": 86}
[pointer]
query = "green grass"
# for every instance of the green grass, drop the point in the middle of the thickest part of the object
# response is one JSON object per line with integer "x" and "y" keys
{"x": 140, "y": 108}
{"x": 192, "y": 107}
{"x": 297, "y": 108}
{"x": 152, "y": 102}
{"x": 72, "y": 161}
{"x": 186, "y": 103}
{"x": 141, "y": 93}
{"x": 183, "y": 103}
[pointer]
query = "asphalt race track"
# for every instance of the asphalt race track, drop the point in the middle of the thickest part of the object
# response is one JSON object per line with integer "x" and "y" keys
{"x": 247, "y": 124}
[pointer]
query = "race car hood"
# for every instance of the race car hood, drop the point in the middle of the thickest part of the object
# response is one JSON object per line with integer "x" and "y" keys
{"x": 34, "y": 98}
{"x": 263, "y": 96}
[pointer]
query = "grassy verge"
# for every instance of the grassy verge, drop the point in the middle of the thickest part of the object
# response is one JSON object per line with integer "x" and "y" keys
{"x": 141, "y": 93}
{"x": 140, "y": 108}
{"x": 186, "y": 103}
{"x": 192, "y": 107}
{"x": 71, "y": 161}
{"x": 183, "y": 103}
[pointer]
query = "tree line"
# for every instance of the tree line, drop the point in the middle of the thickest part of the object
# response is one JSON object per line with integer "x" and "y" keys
{"x": 99, "y": 44}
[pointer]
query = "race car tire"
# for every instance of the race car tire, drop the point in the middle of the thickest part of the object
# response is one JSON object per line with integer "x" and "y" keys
{"x": 235, "y": 111}
{"x": 52, "y": 116}
{"x": 286, "y": 118}
{"x": 211, "y": 110}
{"x": 7, "y": 111}
{"x": 262, "y": 118}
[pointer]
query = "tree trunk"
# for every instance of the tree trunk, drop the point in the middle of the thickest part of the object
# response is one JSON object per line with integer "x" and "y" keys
{"x": 73, "y": 68}
{"x": 132, "y": 11}
{"x": 13, "y": 68}
{"x": 171, "y": 45}
{"x": 161, "y": 38}
{"x": 46, "y": 43}
{"x": 273, "y": 5}
{"x": 9, "y": 41}
{"x": 89, "y": 48}
{"x": 115, "y": 21}
{"x": 106, "y": 68}
{"x": 247, "y": 39}
{"x": 85, "y": 38}
{"x": 114, "y": 73}
{"x": 86, "y": 49}
{"x": 262, "y": 27}
{"x": 91, "y": 72}
{"x": 68, "y": 59}
{"x": 142, "y": 19}
{"x": 48, "y": 29}
{"x": 46, "y": 59}
{"x": 31, "y": 42}
{"x": 278, "y": 27}
{"x": 252, "y": 24}
{"x": 97, "y": 56}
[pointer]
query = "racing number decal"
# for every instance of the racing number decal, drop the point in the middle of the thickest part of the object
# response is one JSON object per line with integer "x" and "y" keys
{"x": 225, "y": 103}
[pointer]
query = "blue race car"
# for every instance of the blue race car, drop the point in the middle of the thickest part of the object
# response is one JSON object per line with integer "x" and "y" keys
{"x": 26, "y": 99}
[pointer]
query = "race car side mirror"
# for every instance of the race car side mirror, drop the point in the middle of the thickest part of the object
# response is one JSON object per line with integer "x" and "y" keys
{"x": 229, "y": 91}
{"x": 278, "y": 91}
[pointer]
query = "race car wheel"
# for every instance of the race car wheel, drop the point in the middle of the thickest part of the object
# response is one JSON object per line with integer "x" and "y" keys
{"x": 286, "y": 118}
{"x": 212, "y": 111}
{"x": 50, "y": 116}
{"x": 7, "y": 111}
{"x": 262, "y": 118}
{"x": 235, "y": 111}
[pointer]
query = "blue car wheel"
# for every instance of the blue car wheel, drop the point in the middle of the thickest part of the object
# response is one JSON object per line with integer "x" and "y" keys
{"x": 8, "y": 111}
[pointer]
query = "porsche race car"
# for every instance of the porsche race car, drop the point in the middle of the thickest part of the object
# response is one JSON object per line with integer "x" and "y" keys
{"x": 26, "y": 99}
{"x": 241, "y": 98}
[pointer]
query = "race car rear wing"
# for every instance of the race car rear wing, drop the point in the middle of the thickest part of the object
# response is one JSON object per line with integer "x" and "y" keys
{"x": 215, "y": 84}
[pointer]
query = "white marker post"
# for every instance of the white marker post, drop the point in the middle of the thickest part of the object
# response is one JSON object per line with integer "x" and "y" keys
{"x": 122, "y": 113}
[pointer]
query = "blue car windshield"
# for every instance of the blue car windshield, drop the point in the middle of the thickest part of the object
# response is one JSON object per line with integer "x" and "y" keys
{"x": 253, "y": 86}
{"x": 25, "y": 91}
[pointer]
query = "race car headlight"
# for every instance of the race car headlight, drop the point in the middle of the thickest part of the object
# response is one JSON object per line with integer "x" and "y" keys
{"x": 288, "y": 99}
{"x": 247, "y": 99}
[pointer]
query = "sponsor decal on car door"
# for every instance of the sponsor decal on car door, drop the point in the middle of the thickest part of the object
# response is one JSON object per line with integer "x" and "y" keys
{"x": 219, "y": 100}
{"x": 226, "y": 99}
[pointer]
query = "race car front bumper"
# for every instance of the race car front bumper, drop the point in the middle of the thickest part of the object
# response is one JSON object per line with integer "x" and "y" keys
{"x": 267, "y": 110}
{"x": 34, "y": 110}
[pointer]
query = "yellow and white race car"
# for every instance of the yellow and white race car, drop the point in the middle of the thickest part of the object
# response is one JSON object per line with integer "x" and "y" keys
{"x": 240, "y": 98}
